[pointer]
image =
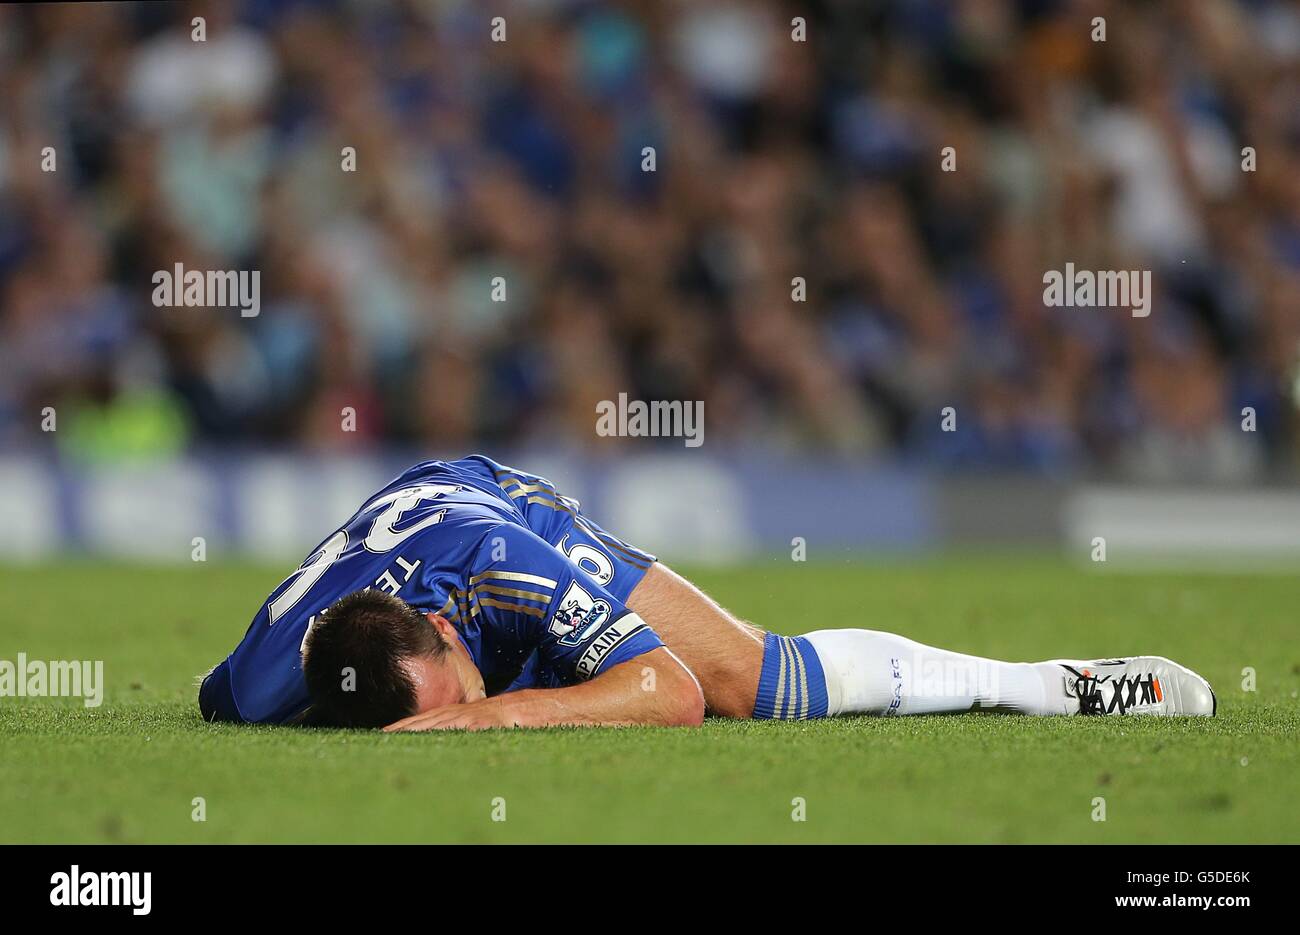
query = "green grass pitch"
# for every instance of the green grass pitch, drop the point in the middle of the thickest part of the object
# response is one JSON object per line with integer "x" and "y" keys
{"x": 130, "y": 770}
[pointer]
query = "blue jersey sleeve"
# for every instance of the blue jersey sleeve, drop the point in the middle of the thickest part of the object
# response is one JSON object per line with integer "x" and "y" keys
{"x": 523, "y": 585}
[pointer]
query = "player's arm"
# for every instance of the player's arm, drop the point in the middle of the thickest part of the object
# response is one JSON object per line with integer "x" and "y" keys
{"x": 653, "y": 688}
{"x": 597, "y": 661}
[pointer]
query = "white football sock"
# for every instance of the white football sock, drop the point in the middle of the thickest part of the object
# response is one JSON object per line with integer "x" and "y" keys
{"x": 869, "y": 672}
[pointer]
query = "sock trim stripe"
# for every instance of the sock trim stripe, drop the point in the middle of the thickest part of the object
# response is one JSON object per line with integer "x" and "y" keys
{"x": 792, "y": 683}
{"x": 779, "y": 695}
{"x": 803, "y": 678}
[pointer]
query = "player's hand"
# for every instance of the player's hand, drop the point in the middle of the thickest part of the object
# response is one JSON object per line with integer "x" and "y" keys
{"x": 473, "y": 715}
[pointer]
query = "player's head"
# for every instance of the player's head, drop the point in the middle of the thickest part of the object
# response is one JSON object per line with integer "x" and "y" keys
{"x": 372, "y": 659}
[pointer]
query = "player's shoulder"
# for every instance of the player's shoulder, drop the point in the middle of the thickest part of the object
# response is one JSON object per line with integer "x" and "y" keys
{"x": 443, "y": 504}
{"x": 448, "y": 507}
{"x": 467, "y": 483}
{"x": 476, "y": 470}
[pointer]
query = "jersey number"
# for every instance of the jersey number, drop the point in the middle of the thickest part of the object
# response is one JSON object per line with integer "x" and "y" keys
{"x": 593, "y": 561}
{"x": 381, "y": 538}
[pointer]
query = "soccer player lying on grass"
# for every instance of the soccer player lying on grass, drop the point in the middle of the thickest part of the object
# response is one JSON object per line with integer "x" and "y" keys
{"x": 466, "y": 594}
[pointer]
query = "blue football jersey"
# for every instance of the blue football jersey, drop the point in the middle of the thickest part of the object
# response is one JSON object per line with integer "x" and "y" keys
{"x": 449, "y": 537}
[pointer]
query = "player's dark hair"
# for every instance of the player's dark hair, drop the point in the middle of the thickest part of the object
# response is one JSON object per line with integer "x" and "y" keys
{"x": 369, "y": 633}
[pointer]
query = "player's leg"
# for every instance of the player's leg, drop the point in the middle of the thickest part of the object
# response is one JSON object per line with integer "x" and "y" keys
{"x": 746, "y": 672}
{"x": 868, "y": 672}
{"x": 726, "y": 654}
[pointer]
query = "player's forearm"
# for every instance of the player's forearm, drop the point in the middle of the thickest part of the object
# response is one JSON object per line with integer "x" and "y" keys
{"x": 652, "y": 689}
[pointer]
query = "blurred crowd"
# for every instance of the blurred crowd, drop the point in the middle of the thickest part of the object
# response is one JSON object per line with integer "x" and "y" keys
{"x": 799, "y": 258}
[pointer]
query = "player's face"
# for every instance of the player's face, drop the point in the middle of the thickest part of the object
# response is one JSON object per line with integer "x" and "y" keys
{"x": 451, "y": 679}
